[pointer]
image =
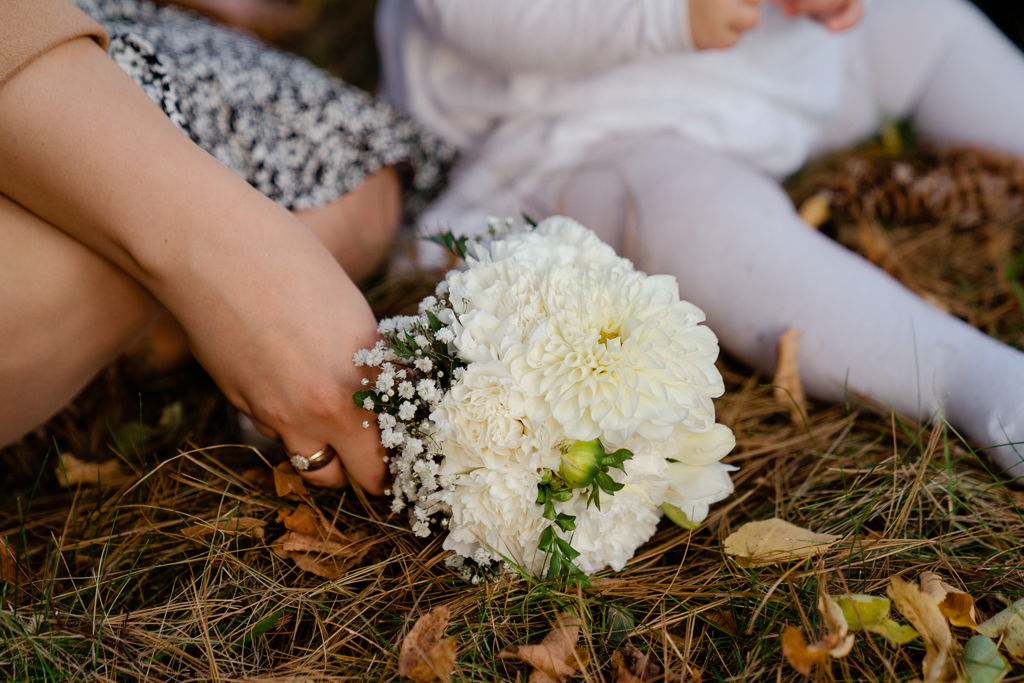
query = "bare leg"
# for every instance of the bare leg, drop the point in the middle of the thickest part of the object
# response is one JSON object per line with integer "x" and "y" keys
{"x": 66, "y": 314}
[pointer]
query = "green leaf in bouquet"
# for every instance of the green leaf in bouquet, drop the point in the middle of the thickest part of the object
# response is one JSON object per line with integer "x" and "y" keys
{"x": 555, "y": 566}
{"x": 456, "y": 245}
{"x": 566, "y": 548}
{"x": 565, "y": 522}
{"x": 607, "y": 484}
{"x": 434, "y": 322}
{"x": 562, "y": 495}
{"x": 360, "y": 397}
{"x": 547, "y": 539}
{"x": 617, "y": 459}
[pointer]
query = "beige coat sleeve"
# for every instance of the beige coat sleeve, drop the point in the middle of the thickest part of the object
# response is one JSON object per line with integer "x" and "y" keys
{"x": 29, "y": 28}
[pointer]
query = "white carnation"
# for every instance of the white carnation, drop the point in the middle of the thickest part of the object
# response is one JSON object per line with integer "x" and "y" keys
{"x": 481, "y": 423}
{"x": 496, "y": 511}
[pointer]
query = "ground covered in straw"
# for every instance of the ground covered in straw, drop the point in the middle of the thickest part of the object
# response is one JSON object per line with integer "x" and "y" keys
{"x": 172, "y": 574}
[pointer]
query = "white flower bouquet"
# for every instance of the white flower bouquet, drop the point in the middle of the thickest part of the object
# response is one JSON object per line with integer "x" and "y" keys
{"x": 548, "y": 405}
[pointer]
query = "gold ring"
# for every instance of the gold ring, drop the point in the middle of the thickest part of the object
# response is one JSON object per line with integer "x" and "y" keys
{"x": 311, "y": 463}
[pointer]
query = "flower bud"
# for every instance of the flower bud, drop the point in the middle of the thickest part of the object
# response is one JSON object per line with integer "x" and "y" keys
{"x": 581, "y": 463}
{"x": 678, "y": 516}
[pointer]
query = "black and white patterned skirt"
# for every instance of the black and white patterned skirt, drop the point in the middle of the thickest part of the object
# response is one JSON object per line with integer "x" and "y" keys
{"x": 298, "y": 135}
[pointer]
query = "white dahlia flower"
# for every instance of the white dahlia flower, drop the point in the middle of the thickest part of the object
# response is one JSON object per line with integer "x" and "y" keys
{"x": 618, "y": 354}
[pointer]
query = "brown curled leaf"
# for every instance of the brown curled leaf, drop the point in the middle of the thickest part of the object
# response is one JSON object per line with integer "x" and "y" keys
{"x": 789, "y": 389}
{"x": 554, "y": 657}
{"x": 424, "y": 655}
{"x": 288, "y": 483}
{"x": 954, "y": 603}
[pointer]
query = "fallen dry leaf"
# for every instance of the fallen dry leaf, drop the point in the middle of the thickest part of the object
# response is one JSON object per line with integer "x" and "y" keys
{"x": 773, "y": 541}
{"x": 837, "y": 641}
{"x": 876, "y": 246}
{"x": 816, "y": 209}
{"x": 303, "y": 519}
{"x": 235, "y": 526}
{"x": 1007, "y": 626}
{"x": 10, "y": 567}
{"x": 871, "y": 613}
{"x": 789, "y": 390}
{"x": 310, "y": 522}
{"x": 956, "y": 605}
{"x": 287, "y": 482}
{"x": 424, "y": 655}
{"x": 798, "y": 653}
{"x": 328, "y": 558}
{"x": 107, "y": 474}
{"x": 922, "y": 611}
{"x": 629, "y": 665}
{"x": 554, "y": 657}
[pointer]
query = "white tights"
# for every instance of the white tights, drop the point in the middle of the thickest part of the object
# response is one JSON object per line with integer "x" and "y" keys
{"x": 731, "y": 236}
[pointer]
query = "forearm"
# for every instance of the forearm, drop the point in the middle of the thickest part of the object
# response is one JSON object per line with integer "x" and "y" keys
{"x": 84, "y": 148}
{"x": 559, "y": 35}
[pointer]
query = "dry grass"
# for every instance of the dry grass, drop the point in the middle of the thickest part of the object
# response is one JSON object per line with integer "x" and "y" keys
{"x": 107, "y": 586}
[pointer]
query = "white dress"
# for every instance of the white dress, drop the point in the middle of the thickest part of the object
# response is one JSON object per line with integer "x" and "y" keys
{"x": 526, "y": 88}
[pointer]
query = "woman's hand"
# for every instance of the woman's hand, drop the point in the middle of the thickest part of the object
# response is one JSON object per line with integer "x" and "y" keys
{"x": 717, "y": 24}
{"x": 835, "y": 15}
{"x": 267, "y": 309}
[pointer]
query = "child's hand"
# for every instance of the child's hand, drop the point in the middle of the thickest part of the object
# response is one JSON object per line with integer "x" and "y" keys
{"x": 717, "y": 24}
{"x": 835, "y": 15}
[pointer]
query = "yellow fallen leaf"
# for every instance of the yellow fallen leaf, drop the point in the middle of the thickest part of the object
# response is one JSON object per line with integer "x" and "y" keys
{"x": 922, "y": 610}
{"x": 955, "y": 604}
{"x": 287, "y": 482}
{"x": 773, "y": 541}
{"x": 554, "y": 657}
{"x": 837, "y": 641}
{"x": 871, "y": 613}
{"x": 107, "y": 474}
{"x": 1008, "y": 627}
{"x": 816, "y": 209}
{"x": 424, "y": 655}
{"x": 789, "y": 390}
{"x": 798, "y": 653}
{"x": 236, "y": 526}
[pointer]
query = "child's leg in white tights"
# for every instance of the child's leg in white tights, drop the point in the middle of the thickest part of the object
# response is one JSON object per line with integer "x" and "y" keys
{"x": 732, "y": 238}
